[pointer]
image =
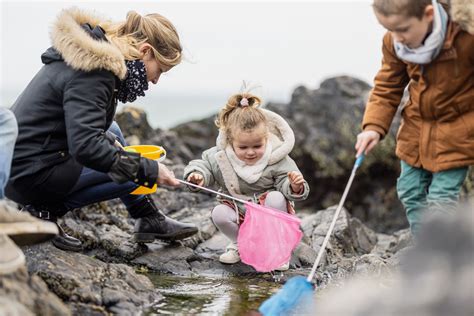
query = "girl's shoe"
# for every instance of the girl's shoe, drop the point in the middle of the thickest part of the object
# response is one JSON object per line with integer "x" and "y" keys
{"x": 231, "y": 254}
{"x": 283, "y": 267}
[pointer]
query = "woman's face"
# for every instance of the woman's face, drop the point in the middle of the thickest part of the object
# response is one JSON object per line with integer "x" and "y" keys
{"x": 152, "y": 66}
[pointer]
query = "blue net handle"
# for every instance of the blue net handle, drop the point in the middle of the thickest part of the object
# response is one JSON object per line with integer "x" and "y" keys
{"x": 357, "y": 164}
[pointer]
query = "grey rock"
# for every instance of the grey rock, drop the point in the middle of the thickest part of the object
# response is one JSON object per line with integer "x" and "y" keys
{"x": 435, "y": 277}
{"x": 24, "y": 294}
{"x": 167, "y": 258}
{"x": 78, "y": 278}
{"x": 133, "y": 122}
{"x": 305, "y": 254}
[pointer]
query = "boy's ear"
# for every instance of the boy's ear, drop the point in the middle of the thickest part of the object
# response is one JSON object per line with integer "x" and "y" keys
{"x": 429, "y": 12}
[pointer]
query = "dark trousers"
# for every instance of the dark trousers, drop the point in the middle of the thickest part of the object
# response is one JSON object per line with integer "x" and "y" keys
{"x": 94, "y": 186}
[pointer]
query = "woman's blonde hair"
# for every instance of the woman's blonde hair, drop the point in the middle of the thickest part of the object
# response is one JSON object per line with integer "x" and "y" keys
{"x": 153, "y": 29}
{"x": 238, "y": 116}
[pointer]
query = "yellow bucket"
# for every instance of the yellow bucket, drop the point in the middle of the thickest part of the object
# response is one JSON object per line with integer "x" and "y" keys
{"x": 157, "y": 153}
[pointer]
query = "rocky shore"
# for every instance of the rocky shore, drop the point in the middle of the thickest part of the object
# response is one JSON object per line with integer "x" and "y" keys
{"x": 107, "y": 277}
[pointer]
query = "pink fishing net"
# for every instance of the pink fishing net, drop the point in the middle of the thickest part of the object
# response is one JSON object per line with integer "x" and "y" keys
{"x": 267, "y": 237}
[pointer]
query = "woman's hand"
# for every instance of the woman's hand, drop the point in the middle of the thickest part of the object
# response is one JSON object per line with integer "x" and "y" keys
{"x": 166, "y": 176}
{"x": 366, "y": 141}
{"x": 196, "y": 178}
{"x": 296, "y": 181}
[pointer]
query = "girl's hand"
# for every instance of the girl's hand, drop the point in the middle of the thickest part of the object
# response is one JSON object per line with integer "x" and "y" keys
{"x": 196, "y": 178}
{"x": 296, "y": 181}
{"x": 166, "y": 176}
{"x": 366, "y": 141}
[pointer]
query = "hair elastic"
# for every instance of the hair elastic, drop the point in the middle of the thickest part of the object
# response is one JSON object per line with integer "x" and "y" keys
{"x": 244, "y": 102}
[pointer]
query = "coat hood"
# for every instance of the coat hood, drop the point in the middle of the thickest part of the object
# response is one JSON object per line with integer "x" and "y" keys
{"x": 78, "y": 40}
{"x": 281, "y": 136}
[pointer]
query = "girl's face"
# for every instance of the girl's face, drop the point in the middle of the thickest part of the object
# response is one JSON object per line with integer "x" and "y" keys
{"x": 409, "y": 31}
{"x": 249, "y": 146}
{"x": 153, "y": 67}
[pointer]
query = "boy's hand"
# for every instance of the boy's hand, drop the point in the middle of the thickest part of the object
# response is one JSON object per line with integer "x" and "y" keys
{"x": 166, "y": 176}
{"x": 196, "y": 178}
{"x": 366, "y": 141}
{"x": 296, "y": 181}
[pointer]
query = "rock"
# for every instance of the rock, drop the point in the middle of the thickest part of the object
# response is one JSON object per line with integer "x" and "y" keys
{"x": 23, "y": 294}
{"x": 305, "y": 254}
{"x": 363, "y": 237}
{"x": 177, "y": 150}
{"x": 213, "y": 247}
{"x": 435, "y": 277}
{"x": 350, "y": 238}
{"x": 80, "y": 279}
{"x": 105, "y": 230}
{"x": 370, "y": 265}
{"x": 92, "y": 287}
{"x": 341, "y": 239}
{"x": 166, "y": 258}
{"x": 198, "y": 135}
{"x": 133, "y": 122}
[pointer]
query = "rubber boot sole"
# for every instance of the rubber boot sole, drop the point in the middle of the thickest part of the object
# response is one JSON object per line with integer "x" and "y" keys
{"x": 66, "y": 246}
{"x": 150, "y": 237}
{"x": 13, "y": 263}
{"x": 29, "y": 233}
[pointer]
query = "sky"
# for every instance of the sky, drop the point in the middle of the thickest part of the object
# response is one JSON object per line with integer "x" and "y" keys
{"x": 276, "y": 45}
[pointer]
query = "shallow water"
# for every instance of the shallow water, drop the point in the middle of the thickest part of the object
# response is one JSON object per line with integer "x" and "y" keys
{"x": 207, "y": 296}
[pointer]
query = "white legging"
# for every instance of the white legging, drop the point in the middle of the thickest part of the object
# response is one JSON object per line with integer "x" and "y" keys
{"x": 225, "y": 217}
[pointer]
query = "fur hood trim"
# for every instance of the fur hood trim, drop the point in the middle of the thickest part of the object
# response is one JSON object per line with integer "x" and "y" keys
{"x": 79, "y": 50}
{"x": 281, "y": 136}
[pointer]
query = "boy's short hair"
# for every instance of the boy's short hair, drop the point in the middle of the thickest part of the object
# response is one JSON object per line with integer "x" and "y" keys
{"x": 408, "y": 8}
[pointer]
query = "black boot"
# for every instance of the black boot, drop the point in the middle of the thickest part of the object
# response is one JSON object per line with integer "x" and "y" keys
{"x": 156, "y": 225}
{"x": 62, "y": 241}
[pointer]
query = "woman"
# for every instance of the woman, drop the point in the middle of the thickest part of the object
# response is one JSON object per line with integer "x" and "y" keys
{"x": 66, "y": 154}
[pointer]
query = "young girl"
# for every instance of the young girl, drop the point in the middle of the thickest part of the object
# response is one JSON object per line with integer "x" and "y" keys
{"x": 250, "y": 161}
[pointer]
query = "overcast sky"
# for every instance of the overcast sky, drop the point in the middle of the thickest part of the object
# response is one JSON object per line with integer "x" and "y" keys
{"x": 278, "y": 45}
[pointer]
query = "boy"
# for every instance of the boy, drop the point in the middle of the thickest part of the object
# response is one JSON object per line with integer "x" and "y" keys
{"x": 426, "y": 51}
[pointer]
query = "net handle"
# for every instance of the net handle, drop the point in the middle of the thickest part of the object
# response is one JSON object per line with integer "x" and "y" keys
{"x": 212, "y": 191}
{"x": 336, "y": 215}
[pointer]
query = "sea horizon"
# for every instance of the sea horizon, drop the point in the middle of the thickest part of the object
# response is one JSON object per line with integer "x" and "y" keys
{"x": 167, "y": 111}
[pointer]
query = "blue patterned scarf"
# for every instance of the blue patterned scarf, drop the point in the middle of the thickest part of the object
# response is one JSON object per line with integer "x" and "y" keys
{"x": 135, "y": 84}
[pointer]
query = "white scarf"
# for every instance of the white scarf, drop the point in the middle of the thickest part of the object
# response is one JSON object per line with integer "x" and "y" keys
{"x": 249, "y": 174}
{"x": 433, "y": 43}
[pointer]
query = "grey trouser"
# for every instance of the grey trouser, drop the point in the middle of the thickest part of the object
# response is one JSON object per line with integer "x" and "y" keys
{"x": 226, "y": 220}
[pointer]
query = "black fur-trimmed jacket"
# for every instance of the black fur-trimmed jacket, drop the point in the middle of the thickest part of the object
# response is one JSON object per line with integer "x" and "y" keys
{"x": 64, "y": 113}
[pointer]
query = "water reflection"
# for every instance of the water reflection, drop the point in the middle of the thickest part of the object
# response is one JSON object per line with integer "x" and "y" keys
{"x": 205, "y": 296}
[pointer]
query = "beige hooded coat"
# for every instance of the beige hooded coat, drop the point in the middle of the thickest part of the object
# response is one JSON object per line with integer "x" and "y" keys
{"x": 217, "y": 169}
